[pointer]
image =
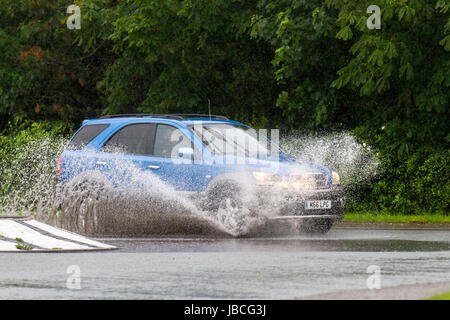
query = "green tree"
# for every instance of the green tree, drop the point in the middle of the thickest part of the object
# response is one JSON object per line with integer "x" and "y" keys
{"x": 182, "y": 56}
{"x": 403, "y": 72}
{"x": 43, "y": 73}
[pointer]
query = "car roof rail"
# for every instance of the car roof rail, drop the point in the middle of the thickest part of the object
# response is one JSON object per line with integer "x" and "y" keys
{"x": 195, "y": 115}
{"x": 141, "y": 115}
{"x": 180, "y": 116}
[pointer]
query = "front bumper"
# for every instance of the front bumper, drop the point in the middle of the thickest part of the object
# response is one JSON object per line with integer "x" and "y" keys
{"x": 291, "y": 204}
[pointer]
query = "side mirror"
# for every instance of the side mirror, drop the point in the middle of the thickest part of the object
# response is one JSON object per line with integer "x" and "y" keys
{"x": 186, "y": 153}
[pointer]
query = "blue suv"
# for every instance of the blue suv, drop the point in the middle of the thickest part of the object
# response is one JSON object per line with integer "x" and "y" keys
{"x": 209, "y": 157}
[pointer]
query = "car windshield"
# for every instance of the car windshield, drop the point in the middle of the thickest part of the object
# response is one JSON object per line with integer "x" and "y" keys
{"x": 233, "y": 139}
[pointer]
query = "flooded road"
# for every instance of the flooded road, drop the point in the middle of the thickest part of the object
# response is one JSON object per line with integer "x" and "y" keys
{"x": 222, "y": 268}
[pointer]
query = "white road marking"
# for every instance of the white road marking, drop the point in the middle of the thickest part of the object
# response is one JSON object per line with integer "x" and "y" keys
{"x": 66, "y": 234}
{"x": 7, "y": 246}
{"x": 13, "y": 230}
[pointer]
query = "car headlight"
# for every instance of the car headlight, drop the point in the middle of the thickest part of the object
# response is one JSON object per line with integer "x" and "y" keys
{"x": 265, "y": 178}
{"x": 336, "y": 178}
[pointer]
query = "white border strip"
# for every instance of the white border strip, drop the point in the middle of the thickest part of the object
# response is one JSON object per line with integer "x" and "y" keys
{"x": 11, "y": 230}
{"x": 66, "y": 234}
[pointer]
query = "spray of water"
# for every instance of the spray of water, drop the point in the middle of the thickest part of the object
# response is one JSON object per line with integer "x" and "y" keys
{"x": 141, "y": 205}
{"x": 355, "y": 162}
{"x": 90, "y": 204}
{"x": 28, "y": 175}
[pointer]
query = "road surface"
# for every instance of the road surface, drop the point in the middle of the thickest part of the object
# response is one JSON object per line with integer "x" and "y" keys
{"x": 189, "y": 267}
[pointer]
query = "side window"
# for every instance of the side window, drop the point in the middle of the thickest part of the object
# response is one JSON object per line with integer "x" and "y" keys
{"x": 85, "y": 135}
{"x": 168, "y": 140}
{"x": 132, "y": 139}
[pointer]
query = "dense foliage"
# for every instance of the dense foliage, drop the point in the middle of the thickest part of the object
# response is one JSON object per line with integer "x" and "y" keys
{"x": 292, "y": 64}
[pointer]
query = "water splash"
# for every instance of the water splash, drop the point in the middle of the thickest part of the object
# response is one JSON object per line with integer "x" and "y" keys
{"x": 90, "y": 204}
{"x": 28, "y": 175}
{"x": 355, "y": 162}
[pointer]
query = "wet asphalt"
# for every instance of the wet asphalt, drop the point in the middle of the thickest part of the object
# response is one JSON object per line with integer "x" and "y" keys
{"x": 193, "y": 267}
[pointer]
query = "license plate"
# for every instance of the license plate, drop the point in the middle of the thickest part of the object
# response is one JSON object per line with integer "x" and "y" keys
{"x": 318, "y": 204}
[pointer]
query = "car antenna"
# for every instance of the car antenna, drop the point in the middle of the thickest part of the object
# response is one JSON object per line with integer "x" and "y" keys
{"x": 209, "y": 108}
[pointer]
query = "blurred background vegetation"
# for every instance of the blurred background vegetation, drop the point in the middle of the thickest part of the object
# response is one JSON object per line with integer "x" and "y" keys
{"x": 288, "y": 64}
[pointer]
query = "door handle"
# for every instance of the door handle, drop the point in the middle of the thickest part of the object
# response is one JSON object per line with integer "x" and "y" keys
{"x": 153, "y": 167}
{"x": 101, "y": 163}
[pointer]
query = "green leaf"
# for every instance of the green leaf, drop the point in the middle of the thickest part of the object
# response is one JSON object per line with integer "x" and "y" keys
{"x": 447, "y": 137}
{"x": 446, "y": 43}
{"x": 345, "y": 33}
{"x": 401, "y": 13}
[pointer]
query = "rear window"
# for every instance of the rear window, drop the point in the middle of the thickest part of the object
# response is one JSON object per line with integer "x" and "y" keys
{"x": 132, "y": 139}
{"x": 85, "y": 135}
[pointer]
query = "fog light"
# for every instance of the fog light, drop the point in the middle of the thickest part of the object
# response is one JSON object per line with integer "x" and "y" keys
{"x": 265, "y": 178}
{"x": 336, "y": 178}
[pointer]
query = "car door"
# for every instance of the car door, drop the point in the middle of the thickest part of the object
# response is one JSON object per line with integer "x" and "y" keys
{"x": 125, "y": 153}
{"x": 183, "y": 173}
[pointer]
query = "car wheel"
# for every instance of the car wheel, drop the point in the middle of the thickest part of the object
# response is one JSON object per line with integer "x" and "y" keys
{"x": 315, "y": 226}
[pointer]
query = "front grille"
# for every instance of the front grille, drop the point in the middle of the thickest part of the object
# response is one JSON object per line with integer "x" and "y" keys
{"x": 309, "y": 180}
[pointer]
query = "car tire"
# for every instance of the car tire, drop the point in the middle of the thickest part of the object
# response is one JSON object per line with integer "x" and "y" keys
{"x": 315, "y": 226}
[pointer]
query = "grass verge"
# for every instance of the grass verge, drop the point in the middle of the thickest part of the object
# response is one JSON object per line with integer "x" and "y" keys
{"x": 445, "y": 296}
{"x": 395, "y": 218}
